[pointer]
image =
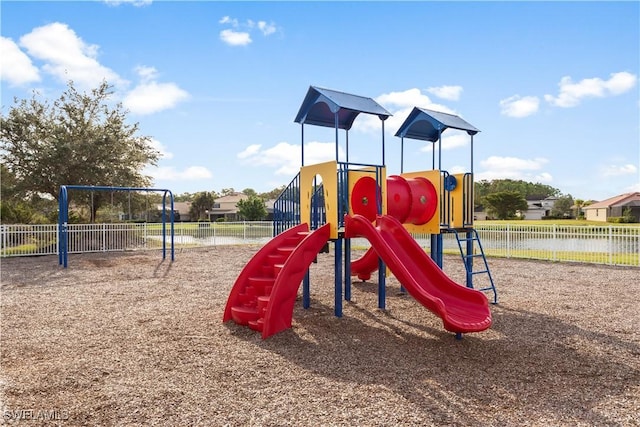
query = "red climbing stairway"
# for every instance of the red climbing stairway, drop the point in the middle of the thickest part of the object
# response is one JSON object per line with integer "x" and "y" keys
{"x": 264, "y": 293}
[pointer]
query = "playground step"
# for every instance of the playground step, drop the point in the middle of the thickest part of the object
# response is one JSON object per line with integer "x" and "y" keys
{"x": 246, "y": 299}
{"x": 480, "y": 272}
{"x": 256, "y": 325}
{"x": 260, "y": 284}
{"x": 276, "y": 258}
{"x": 277, "y": 268}
{"x": 263, "y": 302}
{"x": 293, "y": 241}
{"x": 244, "y": 315}
{"x": 286, "y": 250}
{"x": 267, "y": 270}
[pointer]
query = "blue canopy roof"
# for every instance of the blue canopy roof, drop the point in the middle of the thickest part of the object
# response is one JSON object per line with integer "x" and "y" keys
{"x": 427, "y": 125}
{"x": 320, "y": 105}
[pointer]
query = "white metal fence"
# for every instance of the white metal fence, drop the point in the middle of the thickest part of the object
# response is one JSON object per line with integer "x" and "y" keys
{"x": 606, "y": 244}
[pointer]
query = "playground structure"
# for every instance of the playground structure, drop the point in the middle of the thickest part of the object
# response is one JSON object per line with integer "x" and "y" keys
{"x": 336, "y": 201}
{"x": 63, "y": 216}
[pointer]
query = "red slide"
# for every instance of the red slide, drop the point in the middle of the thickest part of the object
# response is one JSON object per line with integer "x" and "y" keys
{"x": 461, "y": 309}
{"x": 264, "y": 293}
{"x": 365, "y": 265}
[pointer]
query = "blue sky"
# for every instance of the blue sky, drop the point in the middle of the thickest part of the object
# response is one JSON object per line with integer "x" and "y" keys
{"x": 553, "y": 86}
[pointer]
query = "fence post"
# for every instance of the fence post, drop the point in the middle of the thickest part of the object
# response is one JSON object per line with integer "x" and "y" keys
{"x": 244, "y": 231}
{"x": 555, "y": 238}
{"x": 508, "y": 240}
{"x": 610, "y": 245}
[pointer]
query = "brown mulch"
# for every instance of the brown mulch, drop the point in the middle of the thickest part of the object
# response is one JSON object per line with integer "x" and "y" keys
{"x": 129, "y": 339}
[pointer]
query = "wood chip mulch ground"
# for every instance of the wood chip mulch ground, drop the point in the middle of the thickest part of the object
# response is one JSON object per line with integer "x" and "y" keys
{"x": 127, "y": 339}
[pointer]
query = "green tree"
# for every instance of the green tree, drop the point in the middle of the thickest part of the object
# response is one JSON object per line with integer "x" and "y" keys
{"x": 19, "y": 209}
{"x": 201, "y": 203}
{"x": 562, "y": 206}
{"x": 273, "y": 194}
{"x": 577, "y": 205}
{"x": 183, "y": 197}
{"x": 252, "y": 209}
{"x": 79, "y": 139}
{"x": 505, "y": 204}
{"x": 528, "y": 190}
{"x": 249, "y": 192}
{"x": 228, "y": 191}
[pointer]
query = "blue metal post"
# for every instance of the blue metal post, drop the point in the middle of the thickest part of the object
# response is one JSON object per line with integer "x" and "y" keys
{"x": 306, "y": 291}
{"x": 382, "y": 141}
{"x": 347, "y": 143}
{"x": 382, "y": 290}
{"x": 302, "y": 144}
{"x": 347, "y": 269}
{"x": 337, "y": 124}
{"x": 402, "y": 154}
{"x": 440, "y": 250}
{"x": 434, "y": 248}
{"x": 338, "y": 278}
{"x": 469, "y": 259}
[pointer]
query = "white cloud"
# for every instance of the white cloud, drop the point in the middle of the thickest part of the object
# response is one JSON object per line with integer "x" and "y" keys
{"x": 400, "y": 105}
{"x": 235, "y": 38}
{"x": 146, "y": 73}
{"x": 249, "y": 151}
{"x": 570, "y": 93}
{"x": 16, "y": 67}
{"x": 158, "y": 146}
{"x": 228, "y": 20}
{"x": 286, "y": 158}
{"x": 496, "y": 167}
{"x": 67, "y": 56}
{"x": 240, "y": 35}
{"x": 517, "y": 106}
{"x": 137, "y": 3}
{"x": 150, "y": 96}
{"x": 170, "y": 173}
{"x": 451, "y": 93}
{"x": 618, "y": 170}
{"x": 407, "y": 98}
{"x": 450, "y": 139}
{"x": 267, "y": 29}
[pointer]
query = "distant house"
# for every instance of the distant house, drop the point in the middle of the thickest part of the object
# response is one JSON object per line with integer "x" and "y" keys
{"x": 613, "y": 207}
{"x": 227, "y": 207}
{"x": 538, "y": 209}
{"x": 180, "y": 210}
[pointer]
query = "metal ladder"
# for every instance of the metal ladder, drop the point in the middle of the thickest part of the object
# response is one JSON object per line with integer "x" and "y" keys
{"x": 467, "y": 259}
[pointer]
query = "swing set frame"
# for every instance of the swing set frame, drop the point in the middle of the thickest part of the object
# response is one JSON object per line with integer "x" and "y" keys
{"x": 63, "y": 216}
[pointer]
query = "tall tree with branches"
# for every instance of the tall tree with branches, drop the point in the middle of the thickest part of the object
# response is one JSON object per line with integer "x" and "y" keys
{"x": 79, "y": 139}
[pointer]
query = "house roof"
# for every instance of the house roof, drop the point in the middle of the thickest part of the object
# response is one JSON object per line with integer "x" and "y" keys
{"x": 231, "y": 198}
{"x": 320, "y": 106}
{"x": 627, "y": 199}
{"x": 427, "y": 125}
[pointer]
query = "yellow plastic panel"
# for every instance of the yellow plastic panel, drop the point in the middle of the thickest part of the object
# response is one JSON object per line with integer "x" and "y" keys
{"x": 456, "y": 218}
{"x": 328, "y": 171}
